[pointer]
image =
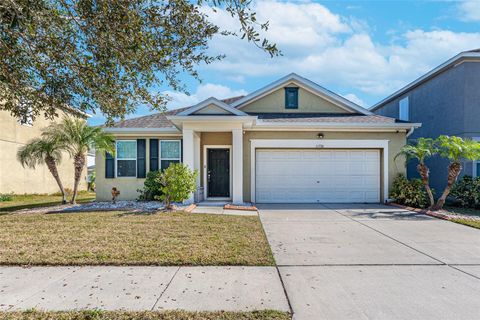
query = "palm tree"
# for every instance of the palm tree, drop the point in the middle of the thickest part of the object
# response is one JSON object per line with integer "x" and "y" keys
{"x": 43, "y": 150}
{"x": 422, "y": 149}
{"x": 78, "y": 138}
{"x": 455, "y": 149}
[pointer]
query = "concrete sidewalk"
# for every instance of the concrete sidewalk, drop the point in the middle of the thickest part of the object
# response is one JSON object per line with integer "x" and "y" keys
{"x": 141, "y": 288}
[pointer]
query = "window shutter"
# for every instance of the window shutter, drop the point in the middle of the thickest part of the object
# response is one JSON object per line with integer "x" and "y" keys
{"x": 109, "y": 166}
{"x": 153, "y": 154}
{"x": 141, "y": 155}
{"x": 181, "y": 150}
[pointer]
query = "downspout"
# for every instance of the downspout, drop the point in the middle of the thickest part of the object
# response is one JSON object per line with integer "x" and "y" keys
{"x": 410, "y": 131}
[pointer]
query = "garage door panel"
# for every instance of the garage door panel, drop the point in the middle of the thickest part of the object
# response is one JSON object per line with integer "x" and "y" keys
{"x": 310, "y": 176}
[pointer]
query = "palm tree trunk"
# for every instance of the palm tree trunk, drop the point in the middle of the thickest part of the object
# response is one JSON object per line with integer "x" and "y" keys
{"x": 454, "y": 170}
{"x": 52, "y": 166}
{"x": 424, "y": 173}
{"x": 79, "y": 163}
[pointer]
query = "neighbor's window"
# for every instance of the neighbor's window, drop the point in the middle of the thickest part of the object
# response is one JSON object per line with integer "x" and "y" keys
{"x": 403, "y": 111}
{"x": 170, "y": 152}
{"x": 27, "y": 119}
{"x": 126, "y": 156}
{"x": 291, "y": 98}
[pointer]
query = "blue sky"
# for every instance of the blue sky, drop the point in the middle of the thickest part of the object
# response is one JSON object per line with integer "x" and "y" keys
{"x": 363, "y": 50}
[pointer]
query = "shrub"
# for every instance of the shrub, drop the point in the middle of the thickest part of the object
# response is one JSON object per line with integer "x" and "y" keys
{"x": 467, "y": 192}
{"x": 6, "y": 197}
{"x": 177, "y": 182}
{"x": 151, "y": 187}
{"x": 409, "y": 192}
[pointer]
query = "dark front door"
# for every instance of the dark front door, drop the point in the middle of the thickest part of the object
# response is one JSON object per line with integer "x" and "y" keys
{"x": 218, "y": 172}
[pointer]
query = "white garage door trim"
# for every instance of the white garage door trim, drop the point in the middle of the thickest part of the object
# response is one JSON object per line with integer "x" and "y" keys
{"x": 317, "y": 144}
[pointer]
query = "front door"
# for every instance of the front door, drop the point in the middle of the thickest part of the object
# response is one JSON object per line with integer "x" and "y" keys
{"x": 218, "y": 173}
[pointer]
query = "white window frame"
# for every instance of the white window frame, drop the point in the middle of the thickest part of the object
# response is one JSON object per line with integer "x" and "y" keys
{"x": 28, "y": 119}
{"x": 116, "y": 158}
{"x": 160, "y": 152}
{"x": 404, "y": 109}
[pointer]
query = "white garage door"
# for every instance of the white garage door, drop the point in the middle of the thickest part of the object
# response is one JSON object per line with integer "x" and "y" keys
{"x": 312, "y": 176}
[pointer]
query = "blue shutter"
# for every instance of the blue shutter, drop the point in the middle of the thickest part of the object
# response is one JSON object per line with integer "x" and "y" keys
{"x": 153, "y": 154}
{"x": 181, "y": 150}
{"x": 291, "y": 98}
{"x": 141, "y": 155}
{"x": 109, "y": 166}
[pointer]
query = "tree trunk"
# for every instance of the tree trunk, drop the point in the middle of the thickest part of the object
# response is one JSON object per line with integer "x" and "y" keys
{"x": 424, "y": 173}
{"x": 52, "y": 166}
{"x": 454, "y": 170}
{"x": 79, "y": 163}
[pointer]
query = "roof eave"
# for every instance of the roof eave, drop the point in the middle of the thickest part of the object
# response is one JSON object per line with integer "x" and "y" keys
{"x": 432, "y": 73}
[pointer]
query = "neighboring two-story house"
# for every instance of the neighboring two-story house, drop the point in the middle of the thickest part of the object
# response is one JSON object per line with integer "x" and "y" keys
{"x": 14, "y": 178}
{"x": 446, "y": 101}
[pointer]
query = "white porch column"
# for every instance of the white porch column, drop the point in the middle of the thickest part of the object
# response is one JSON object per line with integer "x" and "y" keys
{"x": 188, "y": 154}
{"x": 196, "y": 156}
{"x": 237, "y": 174}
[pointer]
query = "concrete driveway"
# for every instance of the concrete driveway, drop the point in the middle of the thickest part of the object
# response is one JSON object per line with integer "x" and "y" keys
{"x": 362, "y": 261}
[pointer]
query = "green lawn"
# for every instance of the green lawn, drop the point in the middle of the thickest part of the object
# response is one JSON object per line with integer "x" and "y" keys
{"x": 116, "y": 238}
{"x": 37, "y": 200}
{"x": 475, "y": 224}
{"x": 147, "y": 315}
{"x": 467, "y": 212}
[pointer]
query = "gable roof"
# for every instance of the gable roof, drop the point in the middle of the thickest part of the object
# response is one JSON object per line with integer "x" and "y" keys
{"x": 473, "y": 55}
{"x": 306, "y": 84}
{"x": 158, "y": 120}
{"x": 210, "y": 101}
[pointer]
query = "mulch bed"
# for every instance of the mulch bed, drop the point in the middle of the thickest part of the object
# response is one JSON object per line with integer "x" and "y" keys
{"x": 230, "y": 206}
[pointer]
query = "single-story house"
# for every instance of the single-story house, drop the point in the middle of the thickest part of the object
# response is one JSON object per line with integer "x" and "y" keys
{"x": 291, "y": 141}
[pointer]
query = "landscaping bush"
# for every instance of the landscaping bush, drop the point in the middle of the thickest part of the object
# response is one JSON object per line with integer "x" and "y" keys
{"x": 6, "y": 197}
{"x": 151, "y": 187}
{"x": 466, "y": 192}
{"x": 177, "y": 182}
{"x": 409, "y": 192}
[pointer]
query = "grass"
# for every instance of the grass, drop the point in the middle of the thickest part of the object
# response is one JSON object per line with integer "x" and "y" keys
{"x": 471, "y": 223}
{"x": 38, "y": 200}
{"x": 466, "y": 212}
{"x": 115, "y": 238}
{"x": 147, "y": 315}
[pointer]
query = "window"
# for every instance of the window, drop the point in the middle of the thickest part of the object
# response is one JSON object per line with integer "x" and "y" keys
{"x": 291, "y": 98}
{"x": 170, "y": 152}
{"x": 27, "y": 118}
{"x": 126, "y": 158}
{"x": 403, "y": 112}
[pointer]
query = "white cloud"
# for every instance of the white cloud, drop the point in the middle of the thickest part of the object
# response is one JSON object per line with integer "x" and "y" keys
{"x": 352, "y": 97}
{"x": 334, "y": 50}
{"x": 469, "y": 10}
{"x": 204, "y": 91}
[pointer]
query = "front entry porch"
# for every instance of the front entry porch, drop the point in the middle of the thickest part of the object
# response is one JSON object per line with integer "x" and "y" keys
{"x": 217, "y": 157}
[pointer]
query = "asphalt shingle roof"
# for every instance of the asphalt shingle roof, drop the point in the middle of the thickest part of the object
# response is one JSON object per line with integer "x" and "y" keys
{"x": 159, "y": 120}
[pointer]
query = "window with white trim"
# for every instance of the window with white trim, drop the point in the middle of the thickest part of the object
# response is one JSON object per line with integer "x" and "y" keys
{"x": 403, "y": 109}
{"x": 27, "y": 118}
{"x": 170, "y": 152}
{"x": 126, "y": 157}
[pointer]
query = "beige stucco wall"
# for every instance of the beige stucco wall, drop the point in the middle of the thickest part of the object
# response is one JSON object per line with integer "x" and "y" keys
{"x": 307, "y": 102}
{"x": 212, "y": 109}
{"x": 13, "y": 177}
{"x": 396, "y": 141}
{"x": 128, "y": 186}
